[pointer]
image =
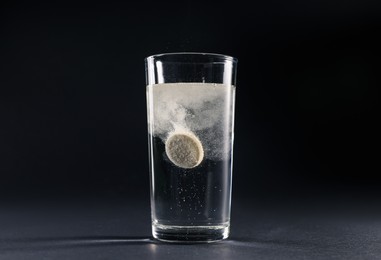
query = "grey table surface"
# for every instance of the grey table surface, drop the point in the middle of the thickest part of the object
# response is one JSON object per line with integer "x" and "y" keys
{"x": 121, "y": 230}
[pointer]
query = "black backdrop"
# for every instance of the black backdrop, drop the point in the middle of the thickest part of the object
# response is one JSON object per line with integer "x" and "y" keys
{"x": 73, "y": 108}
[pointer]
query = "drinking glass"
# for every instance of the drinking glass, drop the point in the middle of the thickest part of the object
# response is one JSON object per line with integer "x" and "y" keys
{"x": 190, "y": 107}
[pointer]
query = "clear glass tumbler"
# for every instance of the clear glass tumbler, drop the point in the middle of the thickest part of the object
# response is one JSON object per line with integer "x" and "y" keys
{"x": 190, "y": 103}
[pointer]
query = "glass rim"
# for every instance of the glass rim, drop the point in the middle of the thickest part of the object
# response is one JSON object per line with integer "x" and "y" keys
{"x": 215, "y": 55}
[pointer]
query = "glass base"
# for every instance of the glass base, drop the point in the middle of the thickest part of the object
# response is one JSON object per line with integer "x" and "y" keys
{"x": 190, "y": 234}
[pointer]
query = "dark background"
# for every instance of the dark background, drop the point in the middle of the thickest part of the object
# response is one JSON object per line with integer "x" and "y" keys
{"x": 73, "y": 108}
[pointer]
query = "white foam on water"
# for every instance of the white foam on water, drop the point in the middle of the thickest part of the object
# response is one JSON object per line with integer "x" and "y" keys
{"x": 200, "y": 108}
